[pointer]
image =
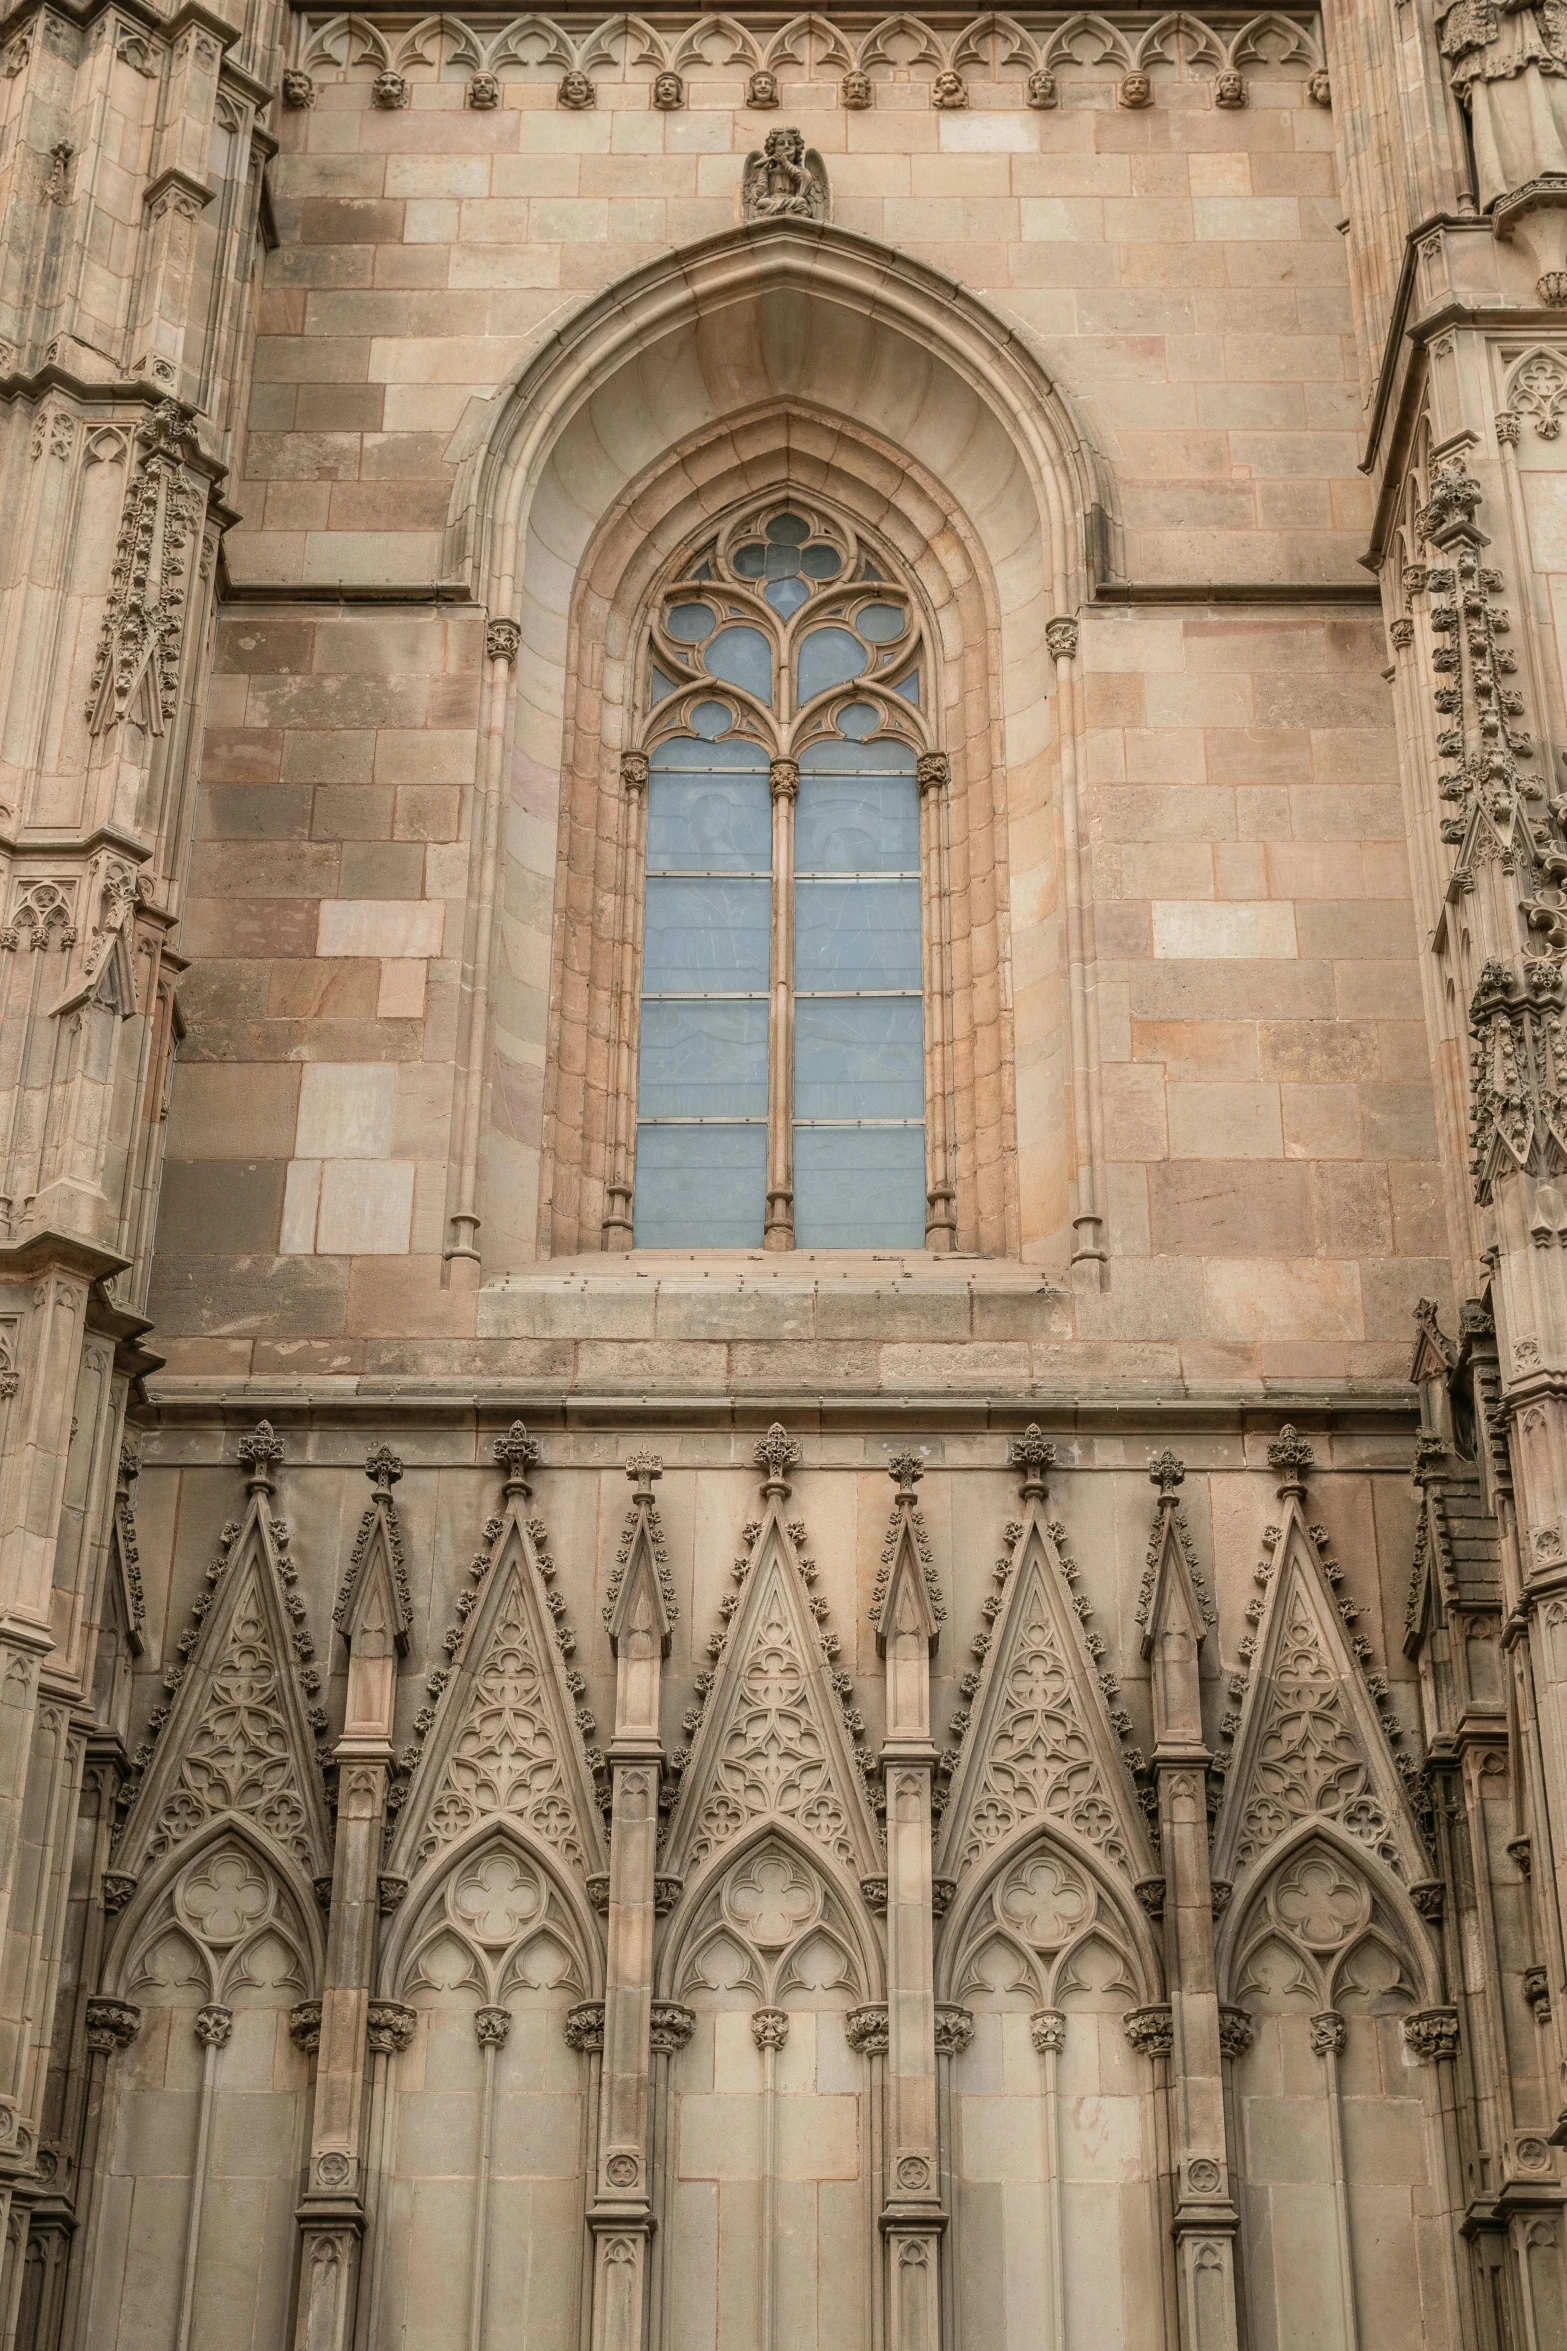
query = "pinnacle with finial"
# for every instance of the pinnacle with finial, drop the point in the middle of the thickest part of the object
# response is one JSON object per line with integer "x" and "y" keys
{"x": 642, "y": 1469}
{"x": 905, "y": 1471}
{"x": 260, "y": 1452}
{"x": 776, "y": 1453}
{"x": 516, "y": 1453}
{"x": 1167, "y": 1472}
{"x": 1032, "y": 1453}
{"x": 383, "y": 1468}
{"x": 1291, "y": 1456}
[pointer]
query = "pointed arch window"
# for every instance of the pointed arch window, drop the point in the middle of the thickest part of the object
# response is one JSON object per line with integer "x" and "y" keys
{"x": 784, "y": 1050}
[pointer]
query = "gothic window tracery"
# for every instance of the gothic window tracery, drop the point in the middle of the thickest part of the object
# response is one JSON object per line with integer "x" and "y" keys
{"x": 790, "y": 1070}
{"x": 495, "y": 1927}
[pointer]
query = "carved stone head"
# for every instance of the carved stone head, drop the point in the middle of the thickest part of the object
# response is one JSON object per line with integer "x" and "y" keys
{"x": 576, "y": 90}
{"x": 669, "y": 91}
{"x": 484, "y": 92}
{"x": 1042, "y": 89}
{"x": 1229, "y": 89}
{"x": 762, "y": 89}
{"x": 298, "y": 88}
{"x": 785, "y": 145}
{"x": 949, "y": 89}
{"x": 1319, "y": 89}
{"x": 389, "y": 90}
{"x": 855, "y": 88}
{"x": 1135, "y": 89}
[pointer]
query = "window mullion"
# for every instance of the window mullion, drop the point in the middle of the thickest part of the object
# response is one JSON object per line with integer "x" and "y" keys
{"x": 932, "y": 774}
{"x": 631, "y": 894}
{"x": 778, "y": 1233}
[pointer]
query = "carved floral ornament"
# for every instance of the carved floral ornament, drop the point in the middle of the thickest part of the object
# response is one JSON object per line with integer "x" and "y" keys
{"x": 992, "y": 48}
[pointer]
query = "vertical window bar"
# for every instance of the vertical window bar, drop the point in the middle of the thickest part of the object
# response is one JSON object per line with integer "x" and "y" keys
{"x": 619, "y": 1230}
{"x": 778, "y": 1233}
{"x": 932, "y": 774}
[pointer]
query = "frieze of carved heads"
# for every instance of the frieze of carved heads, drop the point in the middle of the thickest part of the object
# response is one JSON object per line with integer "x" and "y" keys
{"x": 988, "y": 48}
{"x": 1518, "y": 1083}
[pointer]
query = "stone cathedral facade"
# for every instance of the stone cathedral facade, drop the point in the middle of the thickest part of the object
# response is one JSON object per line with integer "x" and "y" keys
{"x": 783, "y": 1178}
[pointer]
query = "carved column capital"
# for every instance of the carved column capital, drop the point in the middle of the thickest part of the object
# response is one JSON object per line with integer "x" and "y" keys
{"x": 111, "y": 2024}
{"x": 390, "y": 2026}
{"x": 1061, "y": 637}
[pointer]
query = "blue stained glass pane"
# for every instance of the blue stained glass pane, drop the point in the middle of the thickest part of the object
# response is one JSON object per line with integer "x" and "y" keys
{"x": 704, "y": 1059}
{"x": 688, "y": 624}
{"x": 856, "y": 1188}
{"x": 742, "y": 657}
{"x": 708, "y": 809}
{"x": 910, "y": 688}
{"x": 881, "y": 622}
{"x": 783, "y": 563}
{"x": 857, "y": 824}
{"x": 856, "y": 934}
{"x": 821, "y": 563}
{"x": 748, "y": 560}
{"x": 859, "y": 1057}
{"x": 858, "y": 720}
{"x": 786, "y": 596}
{"x": 831, "y": 758}
{"x": 660, "y": 685}
{"x": 787, "y": 530}
{"x": 701, "y": 935}
{"x": 712, "y": 718}
{"x": 828, "y": 657}
{"x": 700, "y": 1187}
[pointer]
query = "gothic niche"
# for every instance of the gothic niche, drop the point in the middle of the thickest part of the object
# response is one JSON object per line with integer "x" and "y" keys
{"x": 1055, "y": 2165}
{"x": 767, "y": 2164}
{"x": 205, "y": 2153}
{"x": 1328, "y": 2088}
{"x": 484, "y": 2128}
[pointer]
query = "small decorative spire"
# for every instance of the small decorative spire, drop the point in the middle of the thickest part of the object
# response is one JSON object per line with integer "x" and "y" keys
{"x": 905, "y": 1471}
{"x": 1032, "y": 1453}
{"x": 775, "y": 1453}
{"x": 1291, "y": 1456}
{"x": 260, "y": 1452}
{"x": 516, "y": 1454}
{"x": 383, "y": 1469}
{"x": 1167, "y": 1472}
{"x": 642, "y": 1469}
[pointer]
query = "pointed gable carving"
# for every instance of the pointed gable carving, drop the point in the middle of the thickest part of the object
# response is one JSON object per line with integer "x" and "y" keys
{"x": 1174, "y": 1613}
{"x": 773, "y": 1743}
{"x": 1310, "y": 1744}
{"x": 505, "y": 1743}
{"x": 376, "y": 1585}
{"x": 1042, "y": 1747}
{"x": 239, "y": 1736}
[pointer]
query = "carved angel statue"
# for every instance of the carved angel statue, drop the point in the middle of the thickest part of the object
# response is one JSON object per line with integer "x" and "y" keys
{"x": 1508, "y": 61}
{"x": 786, "y": 180}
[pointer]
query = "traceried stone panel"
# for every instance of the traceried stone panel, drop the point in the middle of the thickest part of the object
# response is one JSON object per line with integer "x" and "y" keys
{"x": 1338, "y": 2121}
{"x": 486, "y": 2100}
{"x": 1054, "y": 2160}
{"x": 771, "y": 2102}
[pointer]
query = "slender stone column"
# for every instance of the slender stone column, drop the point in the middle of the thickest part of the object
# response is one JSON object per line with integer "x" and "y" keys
{"x": 1206, "y": 2221}
{"x": 372, "y": 1617}
{"x": 621, "y": 2216}
{"x": 784, "y": 779}
{"x": 214, "y": 2024}
{"x": 912, "y": 2217}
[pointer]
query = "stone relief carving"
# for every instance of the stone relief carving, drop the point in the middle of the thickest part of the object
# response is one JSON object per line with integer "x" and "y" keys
{"x": 506, "y": 1759}
{"x": 771, "y": 1927}
{"x": 1537, "y": 389}
{"x": 136, "y": 669}
{"x": 223, "y": 1921}
{"x": 495, "y": 1924}
{"x": 1506, "y": 64}
{"x": 244, "y": 1710}
{"x": 1318, "y": 1929}
{"x": 1046, "y": 1926}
